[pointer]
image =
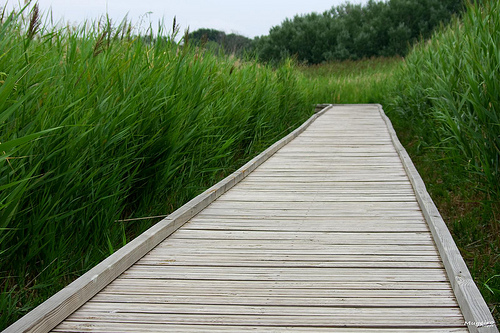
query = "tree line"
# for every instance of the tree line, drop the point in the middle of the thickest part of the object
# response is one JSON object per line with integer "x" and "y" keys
{"x": 217, "y": 40}
{"x": 348, "y": 31}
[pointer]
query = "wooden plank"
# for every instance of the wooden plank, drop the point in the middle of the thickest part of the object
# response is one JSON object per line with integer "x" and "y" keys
{"x": 81, "y": 326}
{"x": 338, "y": 185}
{"x": 306, "y": 174}
{"x": 326, "y": 220}
{"x": 287, "y": 263}
{"x": 330, "y": 227}
{"x": 330, "y": 178}
{"x": 323, "y": 214}
{"x": 227, "y": 285}
{"x": 285, "y": 274}
{"x": 313, "y": 221}
{"x": 195, "y": 289}
{"x": 287, "y": 241}
{"x": 318, "y": 206}
{"x": 288, "y": 246}
{"x": 475, "y": 309}
{"x": 333, "y": 237}
{"x": 395, "y": 319}
{"x": 58, "y": 307}
{"x": 305, "y": 169}
{"x": 270, "y": 256}
{"x": 275, "y": 300}
{"x": 375, "y": 150}
{"x": 345, "y": 210}
{"x": 377, "y": 313}
{"x": 340, "y": 188}
{"x": 307, "y": 225}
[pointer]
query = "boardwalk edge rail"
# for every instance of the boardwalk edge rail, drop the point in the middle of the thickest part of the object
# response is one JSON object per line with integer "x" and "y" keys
{"x": 53, "y": 311}
{"x": 476, "y": 313}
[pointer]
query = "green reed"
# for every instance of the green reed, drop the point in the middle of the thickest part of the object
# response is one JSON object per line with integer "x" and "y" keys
{"x": 446, "y": 105}
{"x": 450, "y": 88}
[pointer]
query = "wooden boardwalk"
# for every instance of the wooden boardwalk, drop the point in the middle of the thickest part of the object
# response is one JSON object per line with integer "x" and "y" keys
{"x": 327, "y": 235}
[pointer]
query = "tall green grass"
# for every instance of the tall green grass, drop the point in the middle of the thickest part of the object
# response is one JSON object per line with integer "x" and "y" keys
{"x": 366, "y": 81}
{"x": 450, "y": 88}
{"x": 446, "y": 105}
{"x": 98, "y": 125}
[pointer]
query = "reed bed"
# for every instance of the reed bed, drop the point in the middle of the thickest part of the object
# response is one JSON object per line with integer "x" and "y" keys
{"x": 450, "y": 88}
{"x": 364, "y": 81}
{"x": 446, "y": 107}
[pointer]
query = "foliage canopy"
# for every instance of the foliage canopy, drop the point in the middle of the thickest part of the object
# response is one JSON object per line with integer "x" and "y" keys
{"x": 351, "y": 31}
{"x": 217, "y": 40}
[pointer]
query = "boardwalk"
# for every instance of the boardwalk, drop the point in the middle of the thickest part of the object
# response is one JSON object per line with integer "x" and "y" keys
{"x": 327, "y": 235}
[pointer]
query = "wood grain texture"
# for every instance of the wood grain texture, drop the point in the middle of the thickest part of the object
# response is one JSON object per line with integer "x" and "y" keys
{"x": 83, "y": 326}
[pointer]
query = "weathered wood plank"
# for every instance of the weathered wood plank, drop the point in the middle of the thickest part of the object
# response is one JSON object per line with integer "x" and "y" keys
{"x": 287, "y": 264}
{"x": 316, "y": 205}
{"x": 81, "y": 326}
{"x": 276, "y": 300}
{"x": 406, "y": 238}
{"x": 285, "y": 274}
{"x": 344, "y": 227}
{"x": 306, "y": 245}
{"x": 395, "y": 319}
{"x": 380, "y": 313}
{"x": 330, "y": 285}
{"x": 133, "y": 287}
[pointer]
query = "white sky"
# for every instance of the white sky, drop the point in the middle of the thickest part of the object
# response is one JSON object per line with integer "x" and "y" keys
{"x": 248, "y": 18}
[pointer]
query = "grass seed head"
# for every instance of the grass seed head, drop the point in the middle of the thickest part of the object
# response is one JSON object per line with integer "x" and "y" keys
{"x": 34, "y": 22}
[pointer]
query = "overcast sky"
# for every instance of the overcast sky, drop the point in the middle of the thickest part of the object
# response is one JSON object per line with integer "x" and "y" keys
{"x": 248, "y": 18}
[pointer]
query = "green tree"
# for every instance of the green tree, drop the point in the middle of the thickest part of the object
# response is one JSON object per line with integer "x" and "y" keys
{"x": 220, "y": 41}
{"x": 353, "y": 31}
